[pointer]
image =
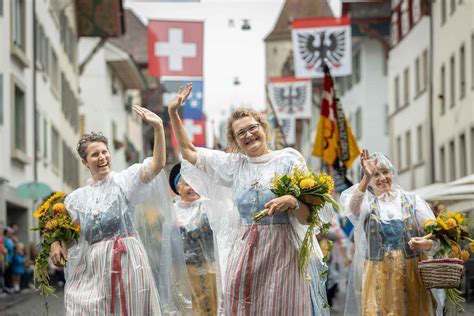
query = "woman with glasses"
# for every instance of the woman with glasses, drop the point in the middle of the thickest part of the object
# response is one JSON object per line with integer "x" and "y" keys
{"x": 259, "y": 260}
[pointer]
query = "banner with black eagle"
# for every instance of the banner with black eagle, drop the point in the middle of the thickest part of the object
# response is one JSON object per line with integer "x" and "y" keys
{"x": 322, "y": 40}
{"x": 334, "y": 138}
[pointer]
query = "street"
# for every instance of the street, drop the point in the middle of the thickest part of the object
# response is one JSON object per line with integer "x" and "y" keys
{"x": 31, "y": 304}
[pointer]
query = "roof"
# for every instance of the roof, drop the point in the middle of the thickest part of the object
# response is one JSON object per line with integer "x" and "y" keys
{"x": 297, "y": 9}
{"x": 134, "y": 41}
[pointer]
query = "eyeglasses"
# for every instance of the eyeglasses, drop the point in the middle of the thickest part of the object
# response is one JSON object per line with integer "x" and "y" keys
{"x": 252, "y": 129}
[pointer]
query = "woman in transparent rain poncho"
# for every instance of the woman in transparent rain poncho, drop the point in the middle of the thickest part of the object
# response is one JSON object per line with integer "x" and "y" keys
{"x": 260, "y": 259}
{"x": 198, "y": 244}
{"x": 108, "y": 271}
{"x": 388, "y": 221}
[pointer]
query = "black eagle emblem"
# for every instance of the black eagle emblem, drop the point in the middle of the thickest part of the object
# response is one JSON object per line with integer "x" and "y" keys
{"x": 324, "y": 46}
{"x": 290, "y": 98}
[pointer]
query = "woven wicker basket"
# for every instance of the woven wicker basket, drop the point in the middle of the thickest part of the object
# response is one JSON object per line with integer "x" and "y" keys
{"x": 441, "y": 273}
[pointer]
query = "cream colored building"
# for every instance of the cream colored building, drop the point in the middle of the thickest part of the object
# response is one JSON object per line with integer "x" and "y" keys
{"x": 453, "y": 89}
{"x": 53, "y": 104}
{"x": 409, "y": 93}
{"x": 110, "y": 86}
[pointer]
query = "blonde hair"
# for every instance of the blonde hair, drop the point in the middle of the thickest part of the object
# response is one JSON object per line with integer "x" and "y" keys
{"x": 232, "y": 144}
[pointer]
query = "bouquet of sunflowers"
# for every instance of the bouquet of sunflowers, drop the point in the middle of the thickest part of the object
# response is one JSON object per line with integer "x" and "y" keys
{"x": 309, "y": 188}
{"x": 54, "y": 224}
{"x": 450, "y": 229}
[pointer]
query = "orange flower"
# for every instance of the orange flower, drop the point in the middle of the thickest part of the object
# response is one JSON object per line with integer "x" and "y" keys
{"x": 51, "y": 225}
{"x": 59, "y": 208}
{"x": 451, "y": 223}
{"x": 464, "y": 255}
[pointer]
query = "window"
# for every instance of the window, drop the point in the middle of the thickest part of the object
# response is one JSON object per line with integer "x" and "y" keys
{"x": 1, "y": 99}
{"x": 1, "y": 7}
{"x": 399, "y": 152}
{"x": 349, "y": 82}
{"x": 387, "y": 119}
{"x": 18, "y": 23}
{"x": 397, "y": 92}
{"x": 69, "y": 103}
{"x": 462, "y": 156}
{"x": 394, "y": 29}
{"x": 419, "y": 136}
{"x": 442, "y": 164}
{"x": 408, "y": 148}
{"x": 342, "y": 86}
{"x": 55, "y": 148}
{"x": 452, "y": 161}
{"x": 68, "y": 38}
{"x": 472, "y": 62}
{"x": 70, "y": 167}
{"x": 443, "y": 12}
{"x": 19, "y": 131}
{"x": 462, "y": 73}
{"x": 424, "y": 76}
{"x": 82, "y": 124}
{"x": 405, "y": 11}
{"x": 54, "y": 72}
{"x": 359, "y": 123}
{"x": 472, "y": 150}
{"x": 45, "y": 139}
{"x": 417, "y": 76}
{"x": 38, "y": 134}
{"x": 357, "y": 67}
{"x": 406, "y": 87}
{"x": 416, "y": 10}
{"x": 452, "y": 86}
{"x": 452, "y": 7}
{"x": 442, "y": 94}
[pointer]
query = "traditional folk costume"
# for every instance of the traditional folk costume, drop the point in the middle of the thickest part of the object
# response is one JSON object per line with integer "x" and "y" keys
{"x": 258, "y": 259}
{"x": 384, "y": 278}
{"x": 109, "y": 271}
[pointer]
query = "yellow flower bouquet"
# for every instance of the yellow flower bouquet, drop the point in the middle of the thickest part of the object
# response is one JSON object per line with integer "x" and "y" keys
{"x": 54, "y": 224}
{"x": 309, "y": 188}
{"x": 451, "y": 231}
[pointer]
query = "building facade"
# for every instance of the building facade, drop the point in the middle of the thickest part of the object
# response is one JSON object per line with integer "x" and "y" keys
{"x": 453, "y": 89}
{"x": 38, "y": 105}
{"x": 110, "y": 85}
{"x": 409, "y": 101}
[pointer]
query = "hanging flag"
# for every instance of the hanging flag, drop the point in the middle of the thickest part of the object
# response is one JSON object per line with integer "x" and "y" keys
{"x": 196, "y": 131}
{"x": 192, "y": 108}
{"x": 288, "y": 126}
{"x": 175, "y": 48}
{"x": 322, "y": 40}
{"x": 291, "y": 97}
{"x": 334, "y": 139}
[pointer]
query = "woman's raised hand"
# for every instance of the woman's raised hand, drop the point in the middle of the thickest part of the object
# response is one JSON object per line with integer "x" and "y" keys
{"x": 148, "y": 116}
{"x": 183, "y": 94}
{"x": 368, "y": 165}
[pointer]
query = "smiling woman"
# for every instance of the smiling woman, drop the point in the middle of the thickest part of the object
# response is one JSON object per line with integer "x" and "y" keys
{"x": 108, "y": 271}
{"x": 259, "y": 260}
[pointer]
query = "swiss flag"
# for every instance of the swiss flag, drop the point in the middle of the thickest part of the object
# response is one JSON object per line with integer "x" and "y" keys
{"x": 196, "y": 131}
{"x": 175, "y": 48}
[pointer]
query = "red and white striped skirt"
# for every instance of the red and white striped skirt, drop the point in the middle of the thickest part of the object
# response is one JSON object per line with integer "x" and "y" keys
{"x": 94, "y": 287}
{"x": 262, "y": 275}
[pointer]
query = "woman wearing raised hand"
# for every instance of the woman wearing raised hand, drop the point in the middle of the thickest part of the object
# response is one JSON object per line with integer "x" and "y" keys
{"x": 388, "y": 225}
{"x": 108, "y": 270}
{"x": 259, "y": 260}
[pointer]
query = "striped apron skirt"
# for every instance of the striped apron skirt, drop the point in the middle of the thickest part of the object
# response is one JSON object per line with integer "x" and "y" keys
{"x": 262, "y": 275}
{"x": 112, "y": 277}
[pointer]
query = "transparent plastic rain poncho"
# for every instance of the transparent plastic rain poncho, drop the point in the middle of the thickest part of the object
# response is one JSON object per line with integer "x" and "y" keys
{"x": 384, "y": 277}
{"x": 198, "y": 244}
{"x": 258, "y": 260}
{"x": 129, "y": 258}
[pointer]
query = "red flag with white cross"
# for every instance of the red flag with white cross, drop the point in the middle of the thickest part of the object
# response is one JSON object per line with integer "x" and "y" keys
{"x": 175, "y": 48}
{"x": 196, "y": 131}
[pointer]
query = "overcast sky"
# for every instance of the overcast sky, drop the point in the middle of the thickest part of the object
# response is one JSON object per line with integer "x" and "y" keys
{"x": 228, "y": 52}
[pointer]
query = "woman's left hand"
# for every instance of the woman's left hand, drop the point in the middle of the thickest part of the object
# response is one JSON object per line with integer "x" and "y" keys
{"x": 281, "y": 204}
{"x": 148, "y": 116}
{"x": 420, "y": 244}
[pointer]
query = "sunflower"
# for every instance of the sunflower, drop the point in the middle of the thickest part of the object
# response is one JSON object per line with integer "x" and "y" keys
{"x": 451, "y": 223}
{"x": 328, "y": 181}
{"x": 442, "y": 223}
{"x": 59, "y": 208}
{"x": 307, "y": 183}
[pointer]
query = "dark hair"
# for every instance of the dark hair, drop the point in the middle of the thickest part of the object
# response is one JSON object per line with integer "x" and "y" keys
{"x": 175, "y": 172}
{"x": 86, "y": 139}
{"x": 236, "y": 115}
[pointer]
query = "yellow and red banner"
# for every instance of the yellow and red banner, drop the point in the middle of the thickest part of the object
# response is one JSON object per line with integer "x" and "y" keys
{"x": 334, "y": 139}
